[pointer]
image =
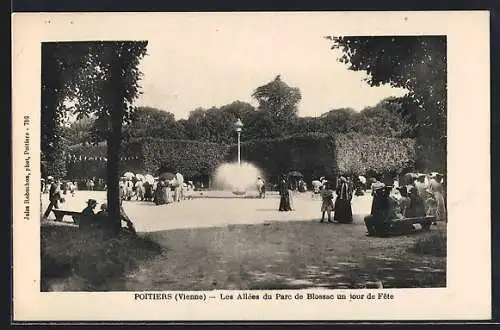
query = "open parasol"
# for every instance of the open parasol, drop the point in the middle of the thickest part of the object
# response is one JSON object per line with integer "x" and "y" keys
{"x": 167, "y": 176}
{"x": 129, "y": 175}
{"x": 149, "y": 178}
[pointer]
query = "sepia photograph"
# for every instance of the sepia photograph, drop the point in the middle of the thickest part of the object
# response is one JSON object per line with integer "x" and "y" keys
{"x": 145, "y": 186}
{"x": 221, "y": 161}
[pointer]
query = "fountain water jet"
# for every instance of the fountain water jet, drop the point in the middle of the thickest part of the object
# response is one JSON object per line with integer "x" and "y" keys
{"x": 237, "y": 178}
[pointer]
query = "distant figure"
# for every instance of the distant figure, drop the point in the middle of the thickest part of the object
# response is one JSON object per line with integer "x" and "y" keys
{"x": 327, "y": 204}
{"x": 436, "y": 189}
{"x": 343, "y": 209}
{"x": 362, "y": 180}
{"x": 54, "y": 197}
{"x": 260, "y": 187}
{"x": 129, "y": 189}
{"x": 380, "y": 209}
{"x": 90, "y": 184}
{"x": 316, "y": 187}
{"x": 139, "y": 189}
{"x": 148, "y": 191}
{"x": 122, "y": 189}
{"x": 284, "y": 190}
{"x": 405, "y": 200}
{"x": 160, "y": 193}
{"x": 189, "y": 190}
{"x": 179, "y": 178}
{"x": 417, "y": 205}
{"x": 422, "y": 186}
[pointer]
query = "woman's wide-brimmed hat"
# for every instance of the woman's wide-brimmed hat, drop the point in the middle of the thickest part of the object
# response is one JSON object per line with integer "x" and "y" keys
{"x": 92, "y": 202}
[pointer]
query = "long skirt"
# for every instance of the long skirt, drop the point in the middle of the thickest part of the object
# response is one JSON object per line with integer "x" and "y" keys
{"x": 148, "y": 193}
{"x": 169, "y": 195}
{"x": 343, "y": 211}
{"x": 441, "y": 207}
{"x": 285, "y": 203}
{"x": 159, "y": 197}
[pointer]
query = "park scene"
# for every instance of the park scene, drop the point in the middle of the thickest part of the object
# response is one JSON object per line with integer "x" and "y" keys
{"x": 249, "y": 193}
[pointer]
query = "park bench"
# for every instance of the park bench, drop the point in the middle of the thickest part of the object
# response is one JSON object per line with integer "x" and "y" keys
{"x": 394, "y": 227}
{"x": 60, "y": 214}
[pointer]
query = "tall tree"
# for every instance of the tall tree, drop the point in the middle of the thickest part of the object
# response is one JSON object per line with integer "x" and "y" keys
{"x": 148, "y": 121}
{"x": 416, "y": 63}
{"x": 339, "y": 120}
{"x": 102, "y": 80}
{"x": 278, "y": 99}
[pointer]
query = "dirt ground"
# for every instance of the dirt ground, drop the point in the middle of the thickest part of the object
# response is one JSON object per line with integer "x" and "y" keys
{"x": 237, "y": 243}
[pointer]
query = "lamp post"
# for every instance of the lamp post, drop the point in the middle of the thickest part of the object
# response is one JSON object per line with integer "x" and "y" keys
{"x": 238, "y": 126}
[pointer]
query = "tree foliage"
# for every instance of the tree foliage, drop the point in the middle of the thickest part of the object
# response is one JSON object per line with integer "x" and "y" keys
{"x": 278, "y": 100}
{"x": 102, "y": 81}
{"x": 417, "y": 64}
{"x": 148, "y": 121}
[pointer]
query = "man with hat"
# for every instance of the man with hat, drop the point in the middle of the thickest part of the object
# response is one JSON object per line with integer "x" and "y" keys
{"x": 87, "y": 217}
{"x": 54, "y": 196}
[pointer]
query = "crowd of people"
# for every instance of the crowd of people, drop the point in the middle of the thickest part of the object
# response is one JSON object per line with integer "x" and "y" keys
{"x": 413, "y": 195}
{"x": 159, "y": 190}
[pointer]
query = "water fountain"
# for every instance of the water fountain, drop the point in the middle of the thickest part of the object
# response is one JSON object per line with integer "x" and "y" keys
{"x": 238, "y": 177}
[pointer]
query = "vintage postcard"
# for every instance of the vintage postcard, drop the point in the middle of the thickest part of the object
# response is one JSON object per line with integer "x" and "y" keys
{"x": 251, "y": 166}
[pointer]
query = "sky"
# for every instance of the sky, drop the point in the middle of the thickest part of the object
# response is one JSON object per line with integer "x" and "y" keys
{"x": 215, "y": 62}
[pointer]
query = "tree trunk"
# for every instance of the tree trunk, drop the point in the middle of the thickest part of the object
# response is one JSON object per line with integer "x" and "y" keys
{"x": 113, "y": 176}
{"x": 114, "y": 139}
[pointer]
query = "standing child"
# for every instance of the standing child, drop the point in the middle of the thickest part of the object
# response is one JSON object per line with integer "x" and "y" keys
{"x": 327, "y": 205}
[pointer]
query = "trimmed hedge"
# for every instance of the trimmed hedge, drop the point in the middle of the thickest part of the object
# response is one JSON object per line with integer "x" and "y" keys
{"x": 316, "y": 155}
{"x": 149, "y": 155}
{"x": 368, "y": 154}
{"x": 193, "y": 159}
{"x": 313, "y": 155}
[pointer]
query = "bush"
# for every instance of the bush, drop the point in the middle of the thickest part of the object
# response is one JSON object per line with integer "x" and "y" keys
{"x": 368, "y": 154}
{"x": 316, "y": 155}
{"x": 191, "y": 158}
{"x": 432, "y": 244}
{"x": 313, "y": 155}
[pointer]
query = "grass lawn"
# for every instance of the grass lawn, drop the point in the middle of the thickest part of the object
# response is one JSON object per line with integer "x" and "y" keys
{"x": 275, "y": 255}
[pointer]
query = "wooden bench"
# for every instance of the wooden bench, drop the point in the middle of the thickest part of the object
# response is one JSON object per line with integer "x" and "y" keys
{"x": 60, "y": 214}
{"x": 403, "y": 226}
{"x": 410, "y": 225}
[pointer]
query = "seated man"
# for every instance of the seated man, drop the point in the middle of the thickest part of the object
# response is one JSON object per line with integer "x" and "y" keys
{"x": 87, "y": 217}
